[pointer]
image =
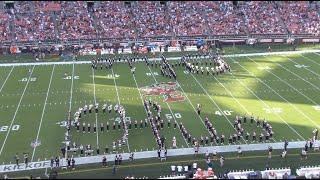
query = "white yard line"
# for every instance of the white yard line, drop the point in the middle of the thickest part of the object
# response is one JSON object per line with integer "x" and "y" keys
{"x": 304, "y": 68}
{"x": 71, "y": 93}
{"x": 200, "y": 85}
{"x": 168, "y": 105}
{"x": 266, "y": 105}
{"x": 115, "y": 85}
{"x": 95, "y": 102}
{"x": 310, "y": 59}
{"x": 296, "y": 76}
{"x": 16, "y": 112}
{"x": 280, "y": 96}
{"x": 194, "y": 109}
{"x": 190, "y": 103}
{"x": 134, "y": 77}
{"x": 43, "y": 110}
{"x": 5, "y": 81}
{"x": 243, "y": 107}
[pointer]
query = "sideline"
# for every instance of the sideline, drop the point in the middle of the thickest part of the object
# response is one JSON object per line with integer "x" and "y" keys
{"x": 157, "y": 59}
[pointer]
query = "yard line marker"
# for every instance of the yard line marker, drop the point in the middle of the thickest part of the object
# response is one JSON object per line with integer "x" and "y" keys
{"x": 304, "y": 68}
{"x": 311, "y": 59}
{"x": 5, "y": 81}
{"x": 283, "y": 97}
{"x": 115, "y": 85}
{"x": 146, "y": 110}
{"x": 43, "y": 110}
{"x": 95, "y": 101}
{"x": 244, "y": 108}
{"x": 169, "y": 108}
{"x": 16, "y": 112}
{"x": 296, "y": 76}
{"x": 193, "y": 106}
{"x": 215, "y": 103}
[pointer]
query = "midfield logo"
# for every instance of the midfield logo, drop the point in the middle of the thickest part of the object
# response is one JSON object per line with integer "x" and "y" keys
{"x": 168, "y": 89}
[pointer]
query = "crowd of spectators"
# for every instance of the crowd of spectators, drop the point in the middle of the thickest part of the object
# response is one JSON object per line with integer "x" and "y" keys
{"x": 300, "y": 17}
{"x": 114, "y": 20}
{"x": 224, "y": 18}
{"x": 186, "y": 18}
{"x": 261, "y": 18}
{"x": 151, "y": 20}
{"x": 33, "y": 20}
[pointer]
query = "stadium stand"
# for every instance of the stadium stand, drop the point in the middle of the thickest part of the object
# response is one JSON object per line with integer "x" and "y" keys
{"x": 41, "y": 20}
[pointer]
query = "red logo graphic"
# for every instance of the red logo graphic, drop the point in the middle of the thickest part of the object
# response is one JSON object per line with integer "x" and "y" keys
{"x": 168, "y": 89}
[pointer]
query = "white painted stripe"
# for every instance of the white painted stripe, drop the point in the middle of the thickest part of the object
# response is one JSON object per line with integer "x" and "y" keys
{"x": 267, "y": 105}
{"x": 175, "y": 120}
{"x": 304, "y": 68}
{"x": 215, "y": 104}
{"x": 243, "y": 107}
{"x": 297, "y": 76}
{"x": 95, "y": 101}
{"x": 16, "y": 112}
{"x": 310, "y": 59}
{"x": 134, "y": 77}
{"x": 43, "y": 110}
{"x": 283, "y": 97}
{"x": 5, "y": 81}
{"x": 115, "y": 85}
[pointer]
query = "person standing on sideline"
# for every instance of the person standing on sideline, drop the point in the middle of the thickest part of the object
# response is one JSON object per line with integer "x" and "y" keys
{"x": 221, "y": 161}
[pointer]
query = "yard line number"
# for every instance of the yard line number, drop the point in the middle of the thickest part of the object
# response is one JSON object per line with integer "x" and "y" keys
{"x": 176, "y": 115}
{"x": 273, "y": 110}
{"x": 225, "y": 112}
{"x": 13, "y": 128}
{"x": 26, "y": 79}
{"x": 70, "y": 77}
{"x": 317, "y": 108}
{"x": 154, "y": 73}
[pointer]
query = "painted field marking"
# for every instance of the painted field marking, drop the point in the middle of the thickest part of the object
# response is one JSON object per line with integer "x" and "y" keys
{"x": 5, "y": 81}
{"x": 16, "y": 112}
{"x": 286, "y": 99}
{"x": 266, "y": 105}
{"x": 215, "y": 103}
{"x": 43, "y": 110}
{"x": 95, "y": 102}
{"x": 169, "y": 107}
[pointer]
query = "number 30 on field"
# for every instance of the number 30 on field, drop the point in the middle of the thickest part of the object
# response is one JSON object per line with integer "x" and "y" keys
{"x": 5, "y": 128}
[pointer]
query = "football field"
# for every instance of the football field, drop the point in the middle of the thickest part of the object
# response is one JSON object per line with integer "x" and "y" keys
{"x": 283, "y": 89}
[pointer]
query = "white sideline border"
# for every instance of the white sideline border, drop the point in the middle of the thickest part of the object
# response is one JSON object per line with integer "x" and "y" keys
{"x": 170, "y": 58}
{"x": 153, "y": 154}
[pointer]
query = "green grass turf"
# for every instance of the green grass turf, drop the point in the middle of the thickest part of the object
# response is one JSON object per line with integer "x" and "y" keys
{"x": 227, "y": 92}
